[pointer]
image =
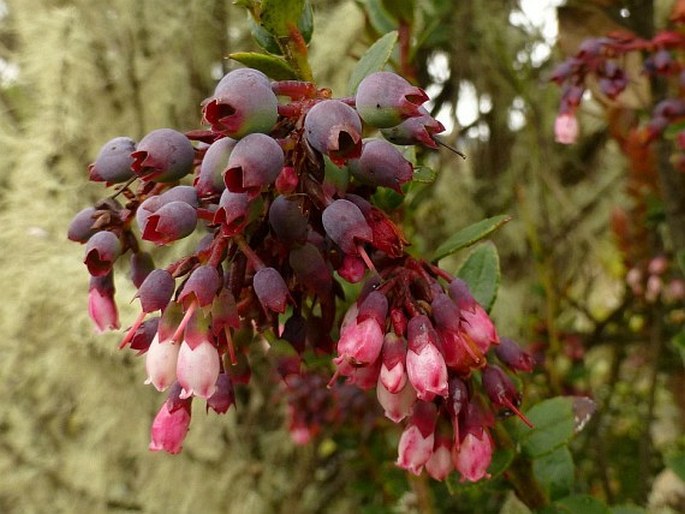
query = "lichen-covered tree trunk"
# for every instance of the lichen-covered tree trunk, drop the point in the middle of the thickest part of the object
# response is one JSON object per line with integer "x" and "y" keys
{"x": 75, "y": 415}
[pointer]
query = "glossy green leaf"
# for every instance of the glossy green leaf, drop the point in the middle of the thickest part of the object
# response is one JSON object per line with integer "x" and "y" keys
{"x": 470, "y": 235}
{"x": 273, "y": 66}
{"x": 263, "y": 37}
{"x": 277, "y": 16}
{"x": 374, "y": 59}
{"x": 501, "y": 460}
{"x": 481, "y": 272}
{"x": 379, "y": 18}
{"x": 555, "y": 472}
{"x": 553, "y": 420}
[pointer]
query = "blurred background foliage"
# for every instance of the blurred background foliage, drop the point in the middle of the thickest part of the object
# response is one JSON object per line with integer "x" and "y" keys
{"x": 75, "y": 416}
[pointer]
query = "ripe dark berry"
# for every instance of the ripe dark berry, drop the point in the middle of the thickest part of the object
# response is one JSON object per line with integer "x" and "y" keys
{"x": 416, "y": 130}
{"x": 102, "y": 249}
{"x": 164, "y": 155}
{"x": 254, "y": 163}
{"x": 381, "y": 164}
{"x": 334, "y": 129}
{"x": 345, "y": 225}
{"x": 288, "y": 221}
{"x": 172, "y": 221}
{"x": 113, "y": 163}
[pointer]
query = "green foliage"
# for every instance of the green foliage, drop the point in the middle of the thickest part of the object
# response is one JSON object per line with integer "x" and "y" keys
{"x": 470, "y": 235}
{"x": 373, "y": 60}
{"x": 481, "y": 272}
{"x": 272, "y": 66}
{"x": 553, "y": 421}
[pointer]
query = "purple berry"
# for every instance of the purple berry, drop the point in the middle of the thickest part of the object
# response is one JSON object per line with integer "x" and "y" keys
{"x": 254, "y": 163}
{"x": 345, "y": 225}
{"x": 172, "y": 221}
{"x": 156, "y": 290}
{"x": 211, "y": 178}
{"x": 81, "y": 226}
{"x": 311, "y": 269}
{"x": 202, "y": 285}
{"x": 141, "y": 266}
{"x": 271, "y": 290}
{"x": 232, "y": 213}
{"x": 243, "y": 103}
{"x": 288, "y": 221}
{"x": 113, "y": 163}
{"x": 334, "y": 129}
{"x": 381, "y": 164}
{"x": 164, "y": 155}
{"x": 102, "y": 249}
{"x": 384, "y": 99}
{"x": 416, "y": 130}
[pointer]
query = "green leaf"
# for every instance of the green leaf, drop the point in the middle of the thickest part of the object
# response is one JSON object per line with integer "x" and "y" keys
{"x": 373, "y": 60}
{"x": 263, "y": 37}
{"x": 378, "y": 16}
{"x": 403, "y": 10}
{"x": 553, "y": 420}
{"x": 513, "y": 505}
{"x": 555, "y": 471}
{"x": 501, "y": 460}
{"x": 481, "y": 272}
{"x": 582, "y": 504}
{"x": 627, "y": 509}
{"x": 424, "y": 175}
{"x": 470, "y": 235}
{"x": 277, "y": 16}
{"x": 677, "y": 464}
{"x": 674, "y": 129}
{"x": 273, "y": 66}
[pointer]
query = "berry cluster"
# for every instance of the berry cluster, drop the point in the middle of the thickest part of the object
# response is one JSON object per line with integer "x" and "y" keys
{"x": 601, "y": 61}
{"x": 281, "y": 189}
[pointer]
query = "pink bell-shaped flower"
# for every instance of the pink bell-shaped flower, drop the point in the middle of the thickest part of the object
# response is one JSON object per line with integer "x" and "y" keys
{"x": 102, "y": 308}
{"x": 160, "y": 363}
{"x": 473, "y": 456}
{"x": 396, "y": 406}
{"x": 417, "y": 440}
{"x": 171, "y": 424}
{"x": 198, "y": 369}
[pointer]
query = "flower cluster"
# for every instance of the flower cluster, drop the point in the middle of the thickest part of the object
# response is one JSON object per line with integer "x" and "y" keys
{"x": 279, "y": 188}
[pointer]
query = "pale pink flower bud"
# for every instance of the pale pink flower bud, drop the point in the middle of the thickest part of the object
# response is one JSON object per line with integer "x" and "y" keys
{"x": 479, "y": 327}
{"x": 102, "y": 308}
{"x": 473, "y": 456}
{"x": 634, "y": 281}
{"x": 393, "y": 373}
{"x": 417, "y": 440}
{"x": 427, "y": 372}
{"x": 658, "y": 265}
{"x": 169, "y": 428}
{"x": 675, "y": 291}
{"x": 396, "y": 406}
{"x": 440, "y": 464}
{"x": 361, "y": 344}
{"x": 566, "y": 129}
{"x": 160, "y": 363}
{"x": 198, "y": 369}
{"x": 654, "y": 286}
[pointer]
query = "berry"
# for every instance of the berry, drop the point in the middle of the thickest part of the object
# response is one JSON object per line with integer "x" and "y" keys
{"x": 334, "y": 129}
{"x": 384, "y": 99}
{"x": 215, "y": 162}
{"x": 102, "y": 249}
{"x": 417, "y": 130}
{"x": 113, "y": 163}
{"x": 164, "y": 155}
{"x": 254, "y": 163}
{"x": 381, "y": 164}
{"x": 243, "y": 103}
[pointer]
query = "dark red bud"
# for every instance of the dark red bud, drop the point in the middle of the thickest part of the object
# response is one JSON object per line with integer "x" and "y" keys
{"x": 271, "y": 290}
{"x": 202, "y": 286}
{"x": 141, "y": 266}
{"x": 513, "y": 356}
{"x": 223, "y": 397}
{"x": 156, "y": 290}
{"x": 345, "y": 225}
{"x": 374, "y": 306}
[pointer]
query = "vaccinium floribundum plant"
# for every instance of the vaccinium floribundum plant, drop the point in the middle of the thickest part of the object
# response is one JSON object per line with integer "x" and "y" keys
{"x": 276, "y": 238}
